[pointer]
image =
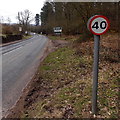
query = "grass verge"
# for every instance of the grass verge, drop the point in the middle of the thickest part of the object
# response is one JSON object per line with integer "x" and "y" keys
{"x": 27, "y": 36}
{"x": 64, "y": 85}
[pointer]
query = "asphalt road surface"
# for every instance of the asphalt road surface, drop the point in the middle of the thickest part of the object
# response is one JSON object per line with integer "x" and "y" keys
{"x": 19, "y": 63}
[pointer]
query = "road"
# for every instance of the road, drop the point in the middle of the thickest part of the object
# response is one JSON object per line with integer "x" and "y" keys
{"x": 19, "y": 63}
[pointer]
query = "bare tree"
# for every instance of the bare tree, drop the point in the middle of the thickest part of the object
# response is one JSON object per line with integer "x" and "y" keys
{"x": 8, "y": 20}
{"x": 1, "y": 19}
{"x": 25, "y": 17}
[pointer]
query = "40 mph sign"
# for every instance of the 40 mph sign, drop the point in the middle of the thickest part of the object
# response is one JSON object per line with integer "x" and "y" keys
{"x": 98, "y": 24}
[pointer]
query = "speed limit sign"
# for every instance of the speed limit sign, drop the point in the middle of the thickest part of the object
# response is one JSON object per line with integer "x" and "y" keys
{"x": 98, "y": 24}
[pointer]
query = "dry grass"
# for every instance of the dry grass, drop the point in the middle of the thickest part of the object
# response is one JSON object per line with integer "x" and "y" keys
{"x": 67, "y": 86}
{"x": 62, "y": 87}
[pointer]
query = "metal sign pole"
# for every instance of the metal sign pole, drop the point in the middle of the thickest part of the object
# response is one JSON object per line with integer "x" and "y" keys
{"x": 95, "y": 73}
{"x": 97, "y": 25}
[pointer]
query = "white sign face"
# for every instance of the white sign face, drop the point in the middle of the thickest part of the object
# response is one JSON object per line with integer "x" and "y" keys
{"x": 98, "y": 24}
{"x": 57, "y": 30}
{"x": 20, "y": 29}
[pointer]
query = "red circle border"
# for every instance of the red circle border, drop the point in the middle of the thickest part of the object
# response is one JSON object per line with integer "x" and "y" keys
{"x": 96, "y": 16}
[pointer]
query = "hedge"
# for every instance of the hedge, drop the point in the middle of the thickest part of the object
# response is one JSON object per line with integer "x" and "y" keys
{"x": 11, "y": 38}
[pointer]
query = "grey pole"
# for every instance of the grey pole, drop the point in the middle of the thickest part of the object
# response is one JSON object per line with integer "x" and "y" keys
{"x": 95, "y": 73}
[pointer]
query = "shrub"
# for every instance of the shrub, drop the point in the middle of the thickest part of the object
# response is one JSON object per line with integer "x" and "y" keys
{"x": 10, "y": 38}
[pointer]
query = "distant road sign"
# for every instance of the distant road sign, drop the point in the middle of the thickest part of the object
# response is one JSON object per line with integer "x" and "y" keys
{"x": 20, "y": 29}
{"x": 57, "y": 30}
{"x": 98, "y": 24}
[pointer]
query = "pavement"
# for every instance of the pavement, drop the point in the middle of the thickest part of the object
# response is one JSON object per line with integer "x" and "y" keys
{"x": 19, "y": 64}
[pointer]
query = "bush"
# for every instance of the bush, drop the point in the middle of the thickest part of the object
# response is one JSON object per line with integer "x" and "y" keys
{"x": 84, "y": 38}
{"x": 7, "y": 29}
{"x": 10, "y": 38}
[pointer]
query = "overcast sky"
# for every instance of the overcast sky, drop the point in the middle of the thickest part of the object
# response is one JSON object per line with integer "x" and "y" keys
{"x": 10, "y": 8}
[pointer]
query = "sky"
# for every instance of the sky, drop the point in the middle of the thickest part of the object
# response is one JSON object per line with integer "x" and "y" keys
{"x": 10, "y": 8}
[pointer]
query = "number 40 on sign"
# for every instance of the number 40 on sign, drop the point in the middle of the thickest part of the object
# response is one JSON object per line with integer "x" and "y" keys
{"x": 98, "y": 24}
